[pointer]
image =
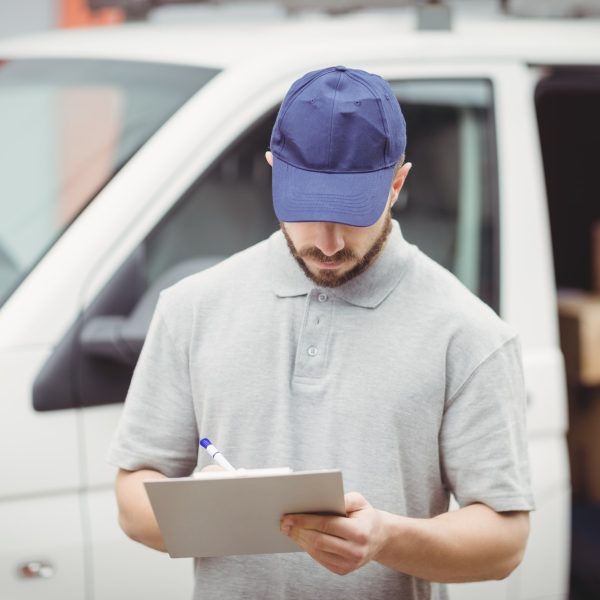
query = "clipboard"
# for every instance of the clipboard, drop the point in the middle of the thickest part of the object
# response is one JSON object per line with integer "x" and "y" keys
{"x": 231, "y": 513}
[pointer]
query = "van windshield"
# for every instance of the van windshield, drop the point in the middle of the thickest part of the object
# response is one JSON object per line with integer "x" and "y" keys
{"x": 67, "y": 127}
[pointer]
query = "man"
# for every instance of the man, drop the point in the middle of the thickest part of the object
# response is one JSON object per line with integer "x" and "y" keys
{"x": 338, "y": 344}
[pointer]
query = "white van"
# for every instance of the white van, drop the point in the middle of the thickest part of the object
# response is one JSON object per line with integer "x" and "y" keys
{"x": 132, "y": 156}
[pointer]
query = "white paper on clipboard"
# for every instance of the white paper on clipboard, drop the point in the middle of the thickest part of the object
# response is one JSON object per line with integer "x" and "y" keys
{"x": 231, "y": 513}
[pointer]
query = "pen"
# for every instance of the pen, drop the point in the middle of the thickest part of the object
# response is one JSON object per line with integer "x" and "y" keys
{"x": 216, "y": 454}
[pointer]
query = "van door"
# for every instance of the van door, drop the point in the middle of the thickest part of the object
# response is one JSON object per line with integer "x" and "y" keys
{"x": 68, "y": 128}
{"x": 41, "y": 548}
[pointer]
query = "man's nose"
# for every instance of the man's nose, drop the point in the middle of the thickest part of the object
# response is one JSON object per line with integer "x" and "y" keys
{"x": 329, "y": 238}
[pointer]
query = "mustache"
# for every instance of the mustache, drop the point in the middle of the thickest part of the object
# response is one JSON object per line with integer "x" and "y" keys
{"x": 313, "y": 252}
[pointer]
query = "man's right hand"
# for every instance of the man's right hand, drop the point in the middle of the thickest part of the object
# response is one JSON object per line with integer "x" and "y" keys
{"x": 136, "y": 517}
{"x": 212, "y": 468}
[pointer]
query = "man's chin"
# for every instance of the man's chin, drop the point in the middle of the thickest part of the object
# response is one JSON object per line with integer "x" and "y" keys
{"x": 335, "y": 277}
{"x": 332, "y": 277}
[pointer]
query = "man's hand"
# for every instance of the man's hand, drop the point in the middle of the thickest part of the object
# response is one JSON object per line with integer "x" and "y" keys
{"x": 473, "y": 543}
{"x": 136, "y": 516}
{"x": 212, "y": 468}
{"x": 341, "y": 544}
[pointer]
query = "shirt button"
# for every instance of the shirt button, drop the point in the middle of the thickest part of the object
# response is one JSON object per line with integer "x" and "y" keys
{"x": 322, "y": 297}
{"x": 312, "y": 351}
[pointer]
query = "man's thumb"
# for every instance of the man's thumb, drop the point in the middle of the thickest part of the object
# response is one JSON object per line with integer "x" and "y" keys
{"x": 355, "y": 501}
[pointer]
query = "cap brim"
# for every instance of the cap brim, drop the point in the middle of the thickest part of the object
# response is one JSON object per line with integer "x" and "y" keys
{"x": 356, "y": 199}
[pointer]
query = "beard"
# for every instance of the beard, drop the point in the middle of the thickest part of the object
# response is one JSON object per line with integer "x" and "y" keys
{"x": 328, "y": 278}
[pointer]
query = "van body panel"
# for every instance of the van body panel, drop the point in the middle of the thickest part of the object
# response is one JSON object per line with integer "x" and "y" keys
{"x": 125, "y": 569}
{"x": 393, "y": 32}
{"x": 40, "y": 457}
{"x": 545, "y": 566}
{"x": 40, "y": 452}
{"x": 528, "y": 295}
{"x": 43, "y": 529}
{"x": 546, "y": 392}
{"x": 528, "y": 301}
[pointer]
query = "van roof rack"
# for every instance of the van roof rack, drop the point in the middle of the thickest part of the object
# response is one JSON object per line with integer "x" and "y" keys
{"x": 433, "y": 10}
{"x": 136, "y": 9}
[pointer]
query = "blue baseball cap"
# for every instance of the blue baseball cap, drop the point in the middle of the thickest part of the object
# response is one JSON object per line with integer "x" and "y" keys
{"x": 337, "y": 137}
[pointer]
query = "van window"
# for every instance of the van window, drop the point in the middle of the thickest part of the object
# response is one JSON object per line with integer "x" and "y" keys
{"x": 226, "y": 210}
{"x": 67, "y": 127}
{"x": 447, "y": 207}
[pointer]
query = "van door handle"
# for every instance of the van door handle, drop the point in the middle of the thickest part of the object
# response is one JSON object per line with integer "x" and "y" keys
{"x": 35, "y": 569}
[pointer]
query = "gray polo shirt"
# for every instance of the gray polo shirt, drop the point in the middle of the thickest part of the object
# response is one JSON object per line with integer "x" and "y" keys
{"x": 401, "y": 377}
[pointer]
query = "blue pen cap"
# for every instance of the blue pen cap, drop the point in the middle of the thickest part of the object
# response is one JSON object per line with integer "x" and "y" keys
{"x": 205, "y": 443}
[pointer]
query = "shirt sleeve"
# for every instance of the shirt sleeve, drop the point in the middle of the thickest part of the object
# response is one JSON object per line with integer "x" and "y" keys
{"x": 483, "y": 436}
{"x": 157, "y": 428}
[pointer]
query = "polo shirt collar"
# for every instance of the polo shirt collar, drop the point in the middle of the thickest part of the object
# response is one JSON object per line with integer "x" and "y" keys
{"x": 368, "y": 289}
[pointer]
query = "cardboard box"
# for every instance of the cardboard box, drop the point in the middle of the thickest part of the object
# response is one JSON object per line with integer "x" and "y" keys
{"x": 583, "y": 440}
{"x": 579, "y": 323}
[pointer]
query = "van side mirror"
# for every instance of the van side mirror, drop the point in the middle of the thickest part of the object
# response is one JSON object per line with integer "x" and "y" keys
{"x": 110, "y": 337}
{"x": 92, "y": 365}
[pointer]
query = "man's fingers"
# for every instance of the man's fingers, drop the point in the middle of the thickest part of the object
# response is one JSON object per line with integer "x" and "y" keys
{"x": 333, "y": 562}
{"x": 327, "y": 550}
{"x": 321, "y": 542}
{"x": 336, "y": 526}
{"x": 212, "y": 468}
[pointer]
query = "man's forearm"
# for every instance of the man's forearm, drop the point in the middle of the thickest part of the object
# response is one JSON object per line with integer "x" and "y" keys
{"x": 473, "y": 543}
{"x": 136, "y": 516}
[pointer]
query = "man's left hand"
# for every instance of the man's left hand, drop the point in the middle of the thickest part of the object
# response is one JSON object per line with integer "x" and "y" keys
{"x": 341, "y": 544}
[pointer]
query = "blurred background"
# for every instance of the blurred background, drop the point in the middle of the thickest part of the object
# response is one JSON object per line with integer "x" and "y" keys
{"x": 42, "y": 15}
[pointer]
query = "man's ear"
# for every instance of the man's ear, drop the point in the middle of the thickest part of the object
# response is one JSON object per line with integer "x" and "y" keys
{"x": 398, "y": 182}
{"x": 269, "y": 157}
